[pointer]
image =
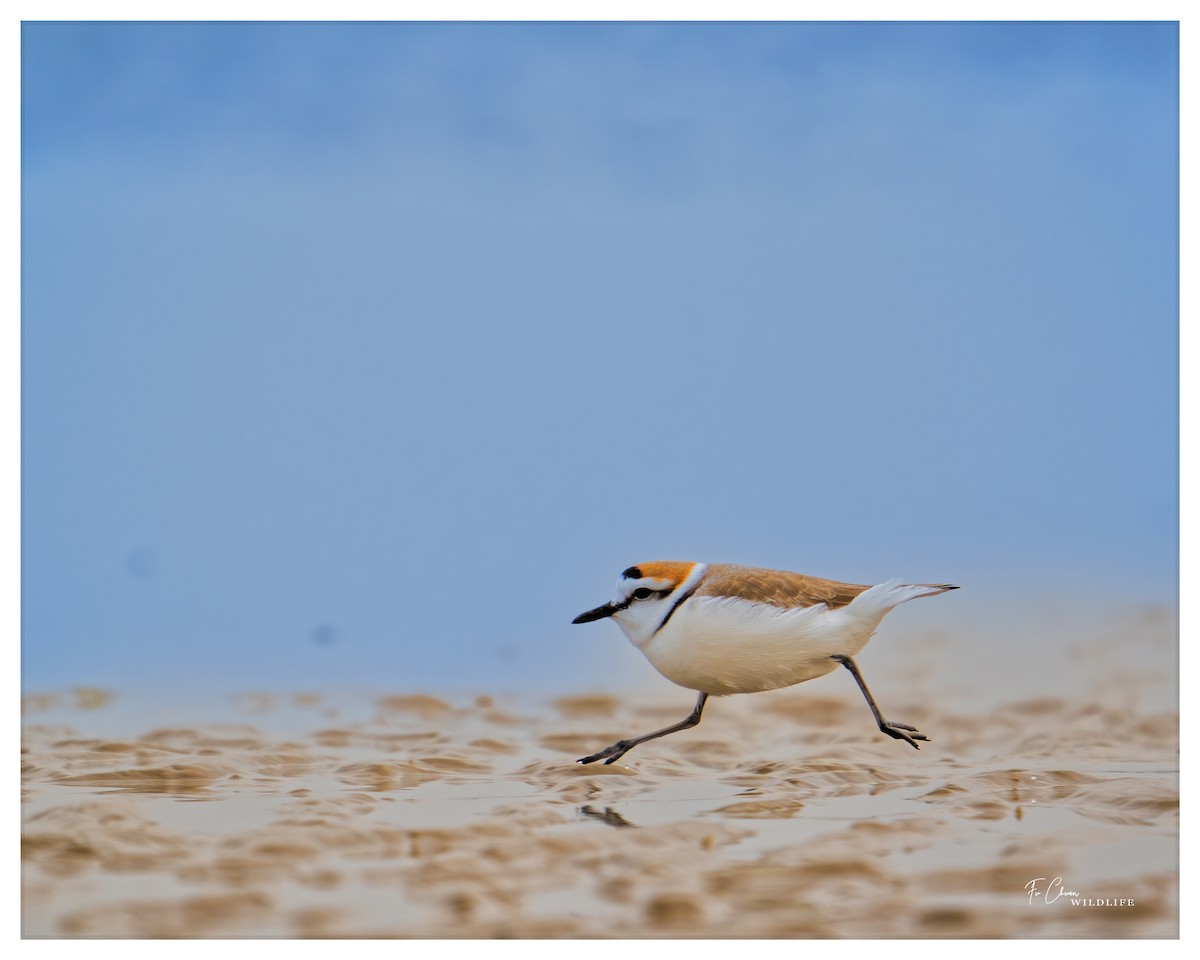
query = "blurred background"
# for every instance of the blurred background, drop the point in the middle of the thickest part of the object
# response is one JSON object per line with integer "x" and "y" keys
{"x": 368, "y": 355}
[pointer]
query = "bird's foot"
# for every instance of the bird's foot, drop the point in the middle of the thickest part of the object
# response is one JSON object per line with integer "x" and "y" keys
{"x": 902, "y": 731}
{"x": 609, "y": 754}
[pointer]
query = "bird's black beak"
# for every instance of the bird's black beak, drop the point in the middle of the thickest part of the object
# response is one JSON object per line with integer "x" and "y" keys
{"x": 598, "y": 614}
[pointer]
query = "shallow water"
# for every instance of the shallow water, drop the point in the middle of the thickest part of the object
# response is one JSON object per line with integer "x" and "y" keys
{"x": 782, "y": 815}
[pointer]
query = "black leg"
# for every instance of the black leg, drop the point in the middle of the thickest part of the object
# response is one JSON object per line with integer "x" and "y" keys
{"x": 622, "y": 747}
{"x": 898, "y": 731}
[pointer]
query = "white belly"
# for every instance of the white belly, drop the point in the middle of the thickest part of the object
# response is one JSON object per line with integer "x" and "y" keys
{"x": 720, "y": 646}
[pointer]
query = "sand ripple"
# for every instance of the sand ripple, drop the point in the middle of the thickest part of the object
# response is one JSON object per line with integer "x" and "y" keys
{"x": 785, "y": 815}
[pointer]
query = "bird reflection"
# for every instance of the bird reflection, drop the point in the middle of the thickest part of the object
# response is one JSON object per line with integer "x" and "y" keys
{"x": 609, "y": 816}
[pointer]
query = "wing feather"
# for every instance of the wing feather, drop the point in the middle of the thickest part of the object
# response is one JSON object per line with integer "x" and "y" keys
{"x": 778, "y": 588}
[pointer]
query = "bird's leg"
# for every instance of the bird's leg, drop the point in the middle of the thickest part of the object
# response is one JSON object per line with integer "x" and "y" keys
{"x": 622, "y": 747}
{"x": 898, "y": 731}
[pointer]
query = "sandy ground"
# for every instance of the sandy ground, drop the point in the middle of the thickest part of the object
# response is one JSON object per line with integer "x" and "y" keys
{"x": 782, "y": 815}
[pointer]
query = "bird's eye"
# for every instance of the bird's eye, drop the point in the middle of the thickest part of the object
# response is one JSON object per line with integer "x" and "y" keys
{"x": 641, "y": 593}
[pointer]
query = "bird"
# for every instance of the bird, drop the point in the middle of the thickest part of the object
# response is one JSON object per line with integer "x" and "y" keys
{"x": 723, "y": 628}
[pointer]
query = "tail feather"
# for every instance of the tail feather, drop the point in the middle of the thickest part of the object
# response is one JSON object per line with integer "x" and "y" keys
{"x": 885, "y": 596}
{"x": 934, "y": 589}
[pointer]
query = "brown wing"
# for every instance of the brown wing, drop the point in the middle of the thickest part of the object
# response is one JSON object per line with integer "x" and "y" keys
{"x": 779, "y": 588}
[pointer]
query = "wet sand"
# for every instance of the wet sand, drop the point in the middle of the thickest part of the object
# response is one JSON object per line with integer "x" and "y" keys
{"x": 782, "y": 815}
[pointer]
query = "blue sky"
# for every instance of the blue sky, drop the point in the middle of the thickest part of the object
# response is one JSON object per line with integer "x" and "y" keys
{"x": 372, "y": 353}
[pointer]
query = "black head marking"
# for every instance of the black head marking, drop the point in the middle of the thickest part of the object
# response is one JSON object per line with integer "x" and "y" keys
{"x": 633, "y": 573}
